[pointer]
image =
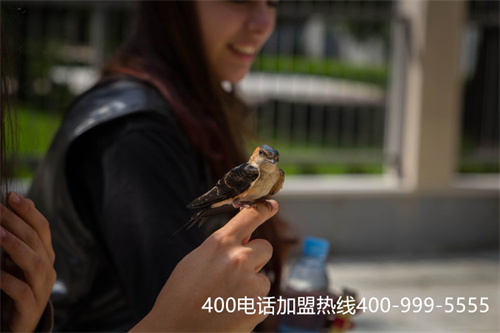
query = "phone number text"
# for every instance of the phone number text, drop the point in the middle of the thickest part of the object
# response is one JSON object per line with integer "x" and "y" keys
{"x": 425, "y": 305}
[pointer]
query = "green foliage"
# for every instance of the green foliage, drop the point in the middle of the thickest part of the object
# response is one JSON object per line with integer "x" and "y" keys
{"x": 36, "y": 130}
{"x": 331, "y": 169}
{"x": 477, "y": 167}
{"x": 313, "y": 159}
{"x": 327, "y": 67}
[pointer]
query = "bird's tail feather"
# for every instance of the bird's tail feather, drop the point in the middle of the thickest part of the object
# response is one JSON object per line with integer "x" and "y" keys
{"x": 201, "y": 216}
{"x": 197, "y": 217}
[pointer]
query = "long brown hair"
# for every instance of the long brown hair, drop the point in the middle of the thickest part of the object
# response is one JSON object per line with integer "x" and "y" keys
{"x": 166, "y": 50}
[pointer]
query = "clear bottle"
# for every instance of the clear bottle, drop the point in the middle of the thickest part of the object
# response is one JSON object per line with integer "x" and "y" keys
{"x": 307, "y": 277}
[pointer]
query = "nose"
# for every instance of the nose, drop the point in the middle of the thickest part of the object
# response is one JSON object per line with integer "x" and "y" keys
{"x": 261, "y": 18}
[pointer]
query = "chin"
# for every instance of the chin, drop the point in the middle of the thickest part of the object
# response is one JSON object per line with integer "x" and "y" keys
{"x": 235, "y": 78}
{"x": 236, "y": 75}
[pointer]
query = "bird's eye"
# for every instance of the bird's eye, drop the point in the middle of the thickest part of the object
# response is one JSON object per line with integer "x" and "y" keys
{"x": 261, "y": 152}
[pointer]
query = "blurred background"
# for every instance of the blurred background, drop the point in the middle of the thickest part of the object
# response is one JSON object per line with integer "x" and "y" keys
{"x": 386, "y": 116}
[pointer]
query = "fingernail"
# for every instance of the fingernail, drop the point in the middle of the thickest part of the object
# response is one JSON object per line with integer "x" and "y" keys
{"x": 14, "y": 197}
{"x": 3, "y": 233}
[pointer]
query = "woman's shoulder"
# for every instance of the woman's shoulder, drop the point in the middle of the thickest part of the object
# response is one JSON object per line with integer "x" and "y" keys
{"x": 113, "y": 99}
{"x": 116, "y": 96}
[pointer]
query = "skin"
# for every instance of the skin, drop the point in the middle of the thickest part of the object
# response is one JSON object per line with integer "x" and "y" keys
{"x": 233, "y": 32}
{"x": 225, "y": 265}
{"x": 27, "y": 274}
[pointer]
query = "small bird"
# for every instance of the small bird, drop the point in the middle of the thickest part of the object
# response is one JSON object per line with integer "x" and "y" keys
{"x": 256, "y": 180}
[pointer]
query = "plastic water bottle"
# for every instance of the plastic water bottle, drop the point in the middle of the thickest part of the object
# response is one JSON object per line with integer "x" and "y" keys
{"x": 307, "y": 277}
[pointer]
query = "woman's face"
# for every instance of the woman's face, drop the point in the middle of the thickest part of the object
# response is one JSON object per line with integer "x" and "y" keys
{"x": 233, "y": 32}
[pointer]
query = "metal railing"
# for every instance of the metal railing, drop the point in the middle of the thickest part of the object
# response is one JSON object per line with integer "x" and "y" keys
{"x": 325, "y": 87}
{"x": 320, "y": 85}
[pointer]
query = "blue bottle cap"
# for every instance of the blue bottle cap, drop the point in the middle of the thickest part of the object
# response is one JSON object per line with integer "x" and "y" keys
{"x": 315, "y": 247}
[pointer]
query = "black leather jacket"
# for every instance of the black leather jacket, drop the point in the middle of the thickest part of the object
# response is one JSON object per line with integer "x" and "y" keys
{"x": 78, "y": 255}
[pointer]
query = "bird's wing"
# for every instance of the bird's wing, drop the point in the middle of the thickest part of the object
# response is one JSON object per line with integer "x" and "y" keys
{"x": 279, "y": 183}
{"x": 231, "y": 185}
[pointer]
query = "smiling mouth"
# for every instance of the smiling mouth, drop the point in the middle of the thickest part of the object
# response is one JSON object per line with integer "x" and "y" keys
{"x": 246, "y": 50}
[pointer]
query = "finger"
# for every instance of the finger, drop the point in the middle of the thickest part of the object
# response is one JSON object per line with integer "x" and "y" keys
{"x": 19, "y": 228}
{"x": 248, "y": 219}
{"x": 26, "y": 210}
{"x": 264, "y": 283}
{"x": 262, "y": 252}
{"x": 17, "y": 289}
{"x": 8, "y": 265}
{"x": 21, "y": 254}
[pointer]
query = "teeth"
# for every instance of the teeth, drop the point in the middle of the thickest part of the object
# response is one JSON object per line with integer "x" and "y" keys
{"x": 245, "y": 49}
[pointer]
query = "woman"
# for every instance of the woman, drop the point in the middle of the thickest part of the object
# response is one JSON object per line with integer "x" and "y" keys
{"x": 27, "y": 271}
{"x": 156, "y": 132}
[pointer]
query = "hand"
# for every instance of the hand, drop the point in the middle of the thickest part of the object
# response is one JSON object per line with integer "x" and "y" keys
{"x": 28, "y": 275}
{"x": 226, "y": 265}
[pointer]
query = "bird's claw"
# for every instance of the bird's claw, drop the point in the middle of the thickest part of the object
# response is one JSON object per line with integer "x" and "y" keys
{"x": 242, "y": 205}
